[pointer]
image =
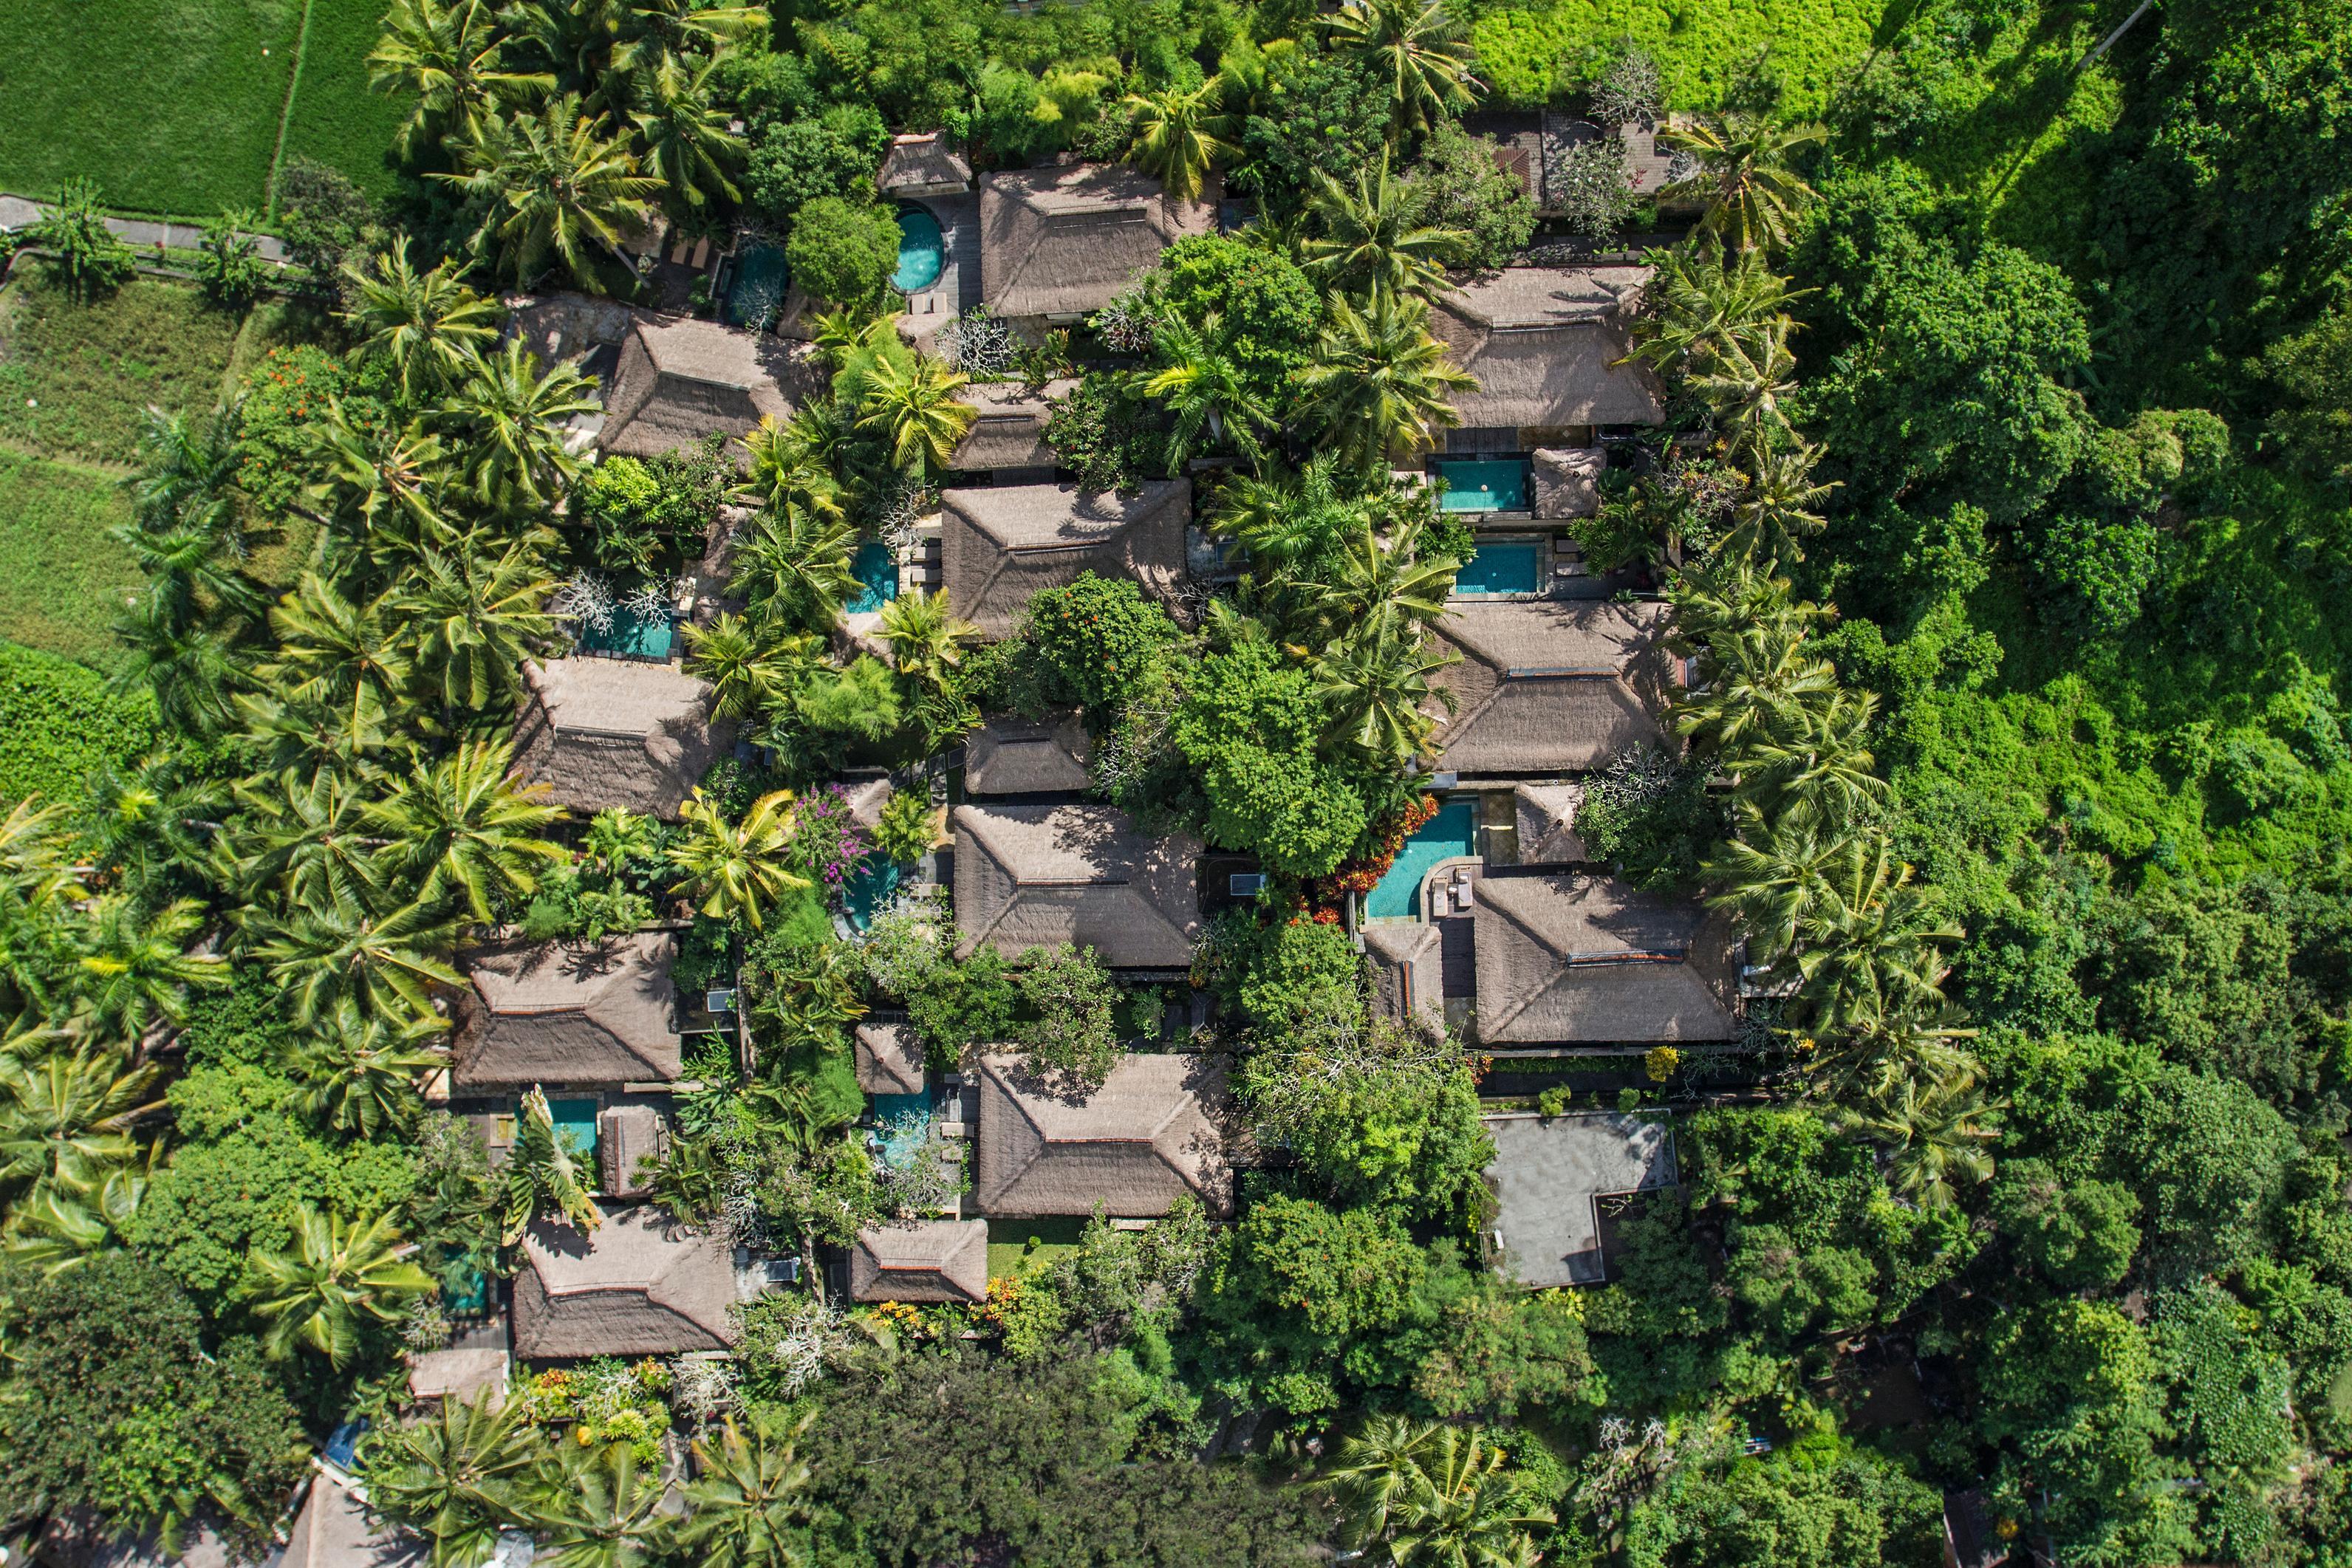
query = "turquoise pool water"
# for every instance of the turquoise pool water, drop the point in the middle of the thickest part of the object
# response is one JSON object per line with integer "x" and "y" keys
{"x": 1449, "y": 835}
{"x": 877, "y": 571}
{"x": 903, "y": 1123}
{"x": 1481, "y": 485}
{"x": 1502, "y": 566}
{"x": 922, "y": 255}
{"x": 575, "y": 1126}
{"x": 762, "y": 280}
{"x": 869, "y": 891}
{"x": 632, "y": 635}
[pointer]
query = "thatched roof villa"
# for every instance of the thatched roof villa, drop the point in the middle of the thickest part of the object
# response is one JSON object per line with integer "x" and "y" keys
{"x": 600, "y": 733}
{"x": 1149, "y": 1135}
{"x": 1003, "y": 543}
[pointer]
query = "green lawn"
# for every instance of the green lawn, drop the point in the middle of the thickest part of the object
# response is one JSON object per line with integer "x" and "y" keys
{"x": 174, "y": 106}
{"x": 1700, "y": 45}
{"x": 74, "y": 377}
{"x": 1011, "y": 1254}
{"x": 62, "y": 579}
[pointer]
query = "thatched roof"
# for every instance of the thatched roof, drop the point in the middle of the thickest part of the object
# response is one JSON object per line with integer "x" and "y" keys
{"x": 927, "y": 1260}
{"x": 1551, "y": 686}
{"x": 332, "y": 1532}
{"x": 1567, "y": 480}
{"x": 1408, "y": 970}
{"x": 637, "y": 1285}
{"x": 464, "y": 1375}
{"x": 1032, "y": 876}
{"x": 888, "y": 1061}
{"x": 1569, "y": 959}
{"x": 1549, "y": 1174}
{"x": 600, "y": 733}
{"x": 1148, "y": 1135}
{"x": 1003, "y": 543}
{"x": 1540, "y": 340}
{"x": 1546, "y": 814}
{"x": 1063, "y": 240}
{"x": 627, "y": 1136}
{"x": 573, "y": 1013}
{"x": 680, "y": 379}
{"x": 1020, "y": 757}
{"x": 922, "y": 163}
{"x": 1011, "y": 430}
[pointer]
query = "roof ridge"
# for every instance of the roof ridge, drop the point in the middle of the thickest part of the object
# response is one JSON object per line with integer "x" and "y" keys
{"x": 1502, "y": 910}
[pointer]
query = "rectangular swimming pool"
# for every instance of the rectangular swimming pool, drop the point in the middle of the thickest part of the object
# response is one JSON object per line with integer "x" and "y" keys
{"x": 876, "y": 568}
{"x": 1449, "y": 835}
{"x": 1501, "y": 566}
{"x": 632, "y": 635}
{"x": 1481, "y": 485}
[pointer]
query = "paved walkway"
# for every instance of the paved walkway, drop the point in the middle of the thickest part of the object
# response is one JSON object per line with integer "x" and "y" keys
{"x": 140, "y": 234}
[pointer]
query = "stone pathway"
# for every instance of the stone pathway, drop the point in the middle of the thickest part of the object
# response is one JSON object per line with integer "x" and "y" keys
{"x": 140, "y": 234}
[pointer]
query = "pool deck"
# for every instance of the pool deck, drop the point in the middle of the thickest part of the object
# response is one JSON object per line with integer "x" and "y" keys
{"x": 956, "y": 288}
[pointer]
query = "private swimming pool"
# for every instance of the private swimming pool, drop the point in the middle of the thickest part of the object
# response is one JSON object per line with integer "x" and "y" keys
{"x": 575, "y": 1126}
{"x": 902, "y": 1123}
{"x": 762, "y": 280}
{"x": 1481, "y": 485}
{"x": 1449, "y": 835}
{"x": 867, "y": 891}
{"x": 877, "y": 571}
{"x": 922, "y": 255}
{"x": 631, "y": 635}
{"x": 1501, "y": 566}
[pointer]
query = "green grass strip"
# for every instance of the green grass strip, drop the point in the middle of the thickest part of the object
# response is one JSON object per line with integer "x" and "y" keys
{"x": 286, "y": 115}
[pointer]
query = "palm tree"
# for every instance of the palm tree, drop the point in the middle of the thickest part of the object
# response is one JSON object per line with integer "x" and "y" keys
{"x": 542, "y": 1174}
{"x": 66, "y": 1118}
{"x": 1371, "y": 244}
{"x": 511, "y": 417}
{"x": 1755, "y": 679}
{"x": 461, "y": 829}
{"x": 793, "y": 569}
{"x": 426, "y": 325}
{"x": 447, "y": 60}
{"x": 135, "y": 965}
{"x": 186, "y": 472}
{"x": 1871, "y": 950}
{"x": 190, "y": 669}
{"x": 1176, "y": 135}
{"x": 736, "y": 869}
{"x": 1374, "y": 683}
{"x": 335, "y": 653}
{"x": 1730, "y": 596}
{"x": 1752, "y": 196}
{"x": 146, "y": 821}
{"x": 656, "y": 31}
{"x": 1432, "y": 1497}
{"x": 910, "y": 400}
{"x": 1383, "y": 586}
{"x": 470, "y": 617}
{"x": 684, "y": 133}
{"x": 1704, "y": 304}
{"x": 595, "y": 1509}
{"x": 926, "y": 637}
{"x": 1204, "y": 388}
{"x": 358, "y": 1074}
{"x": 54, "y": 1229}
{"x": 749, "y": 1499}
{"x": 1816, "y": 760}
{"x": 1775, "y": 873}
{"x": 786, "y": 469}
{"x": 304, "y": 836}
{"x": 1748, "y": 383}
{"x": 752, "y": 671}
{"x": 308, "y": 733}
{"x": 454, "y": 1477}
{"x": 1776, "y": 509}
{"x": 1938, "y": 1136}
{"x": 1417, "y": 46}
{"x": 386, "y": 480}
{"x": 340, "y": 1274}
{"x": 383, "y": 962}
{"x": 1379, "y": 382}
{"x": 550, "y": 184}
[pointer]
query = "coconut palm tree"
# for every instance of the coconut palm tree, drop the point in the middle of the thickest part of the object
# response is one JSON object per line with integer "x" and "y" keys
{"x": 470, "y": 617}
{"x": 595, "y": 1509}
{"x": 1938, "y": 1136}
{"x": 387, "y": 484}
{"x": 189, "y": 567}
{"x": 1755, "y": 678}
{"x": 1418, "y": 48}
{"x": 54, "y": 1229}
{"x": 1747, "y": 384}
{"x": 146, "y": 821}
{"x": 752, "y": 671}
{"x": 185, "y": 471}
{"x": 1706, "y": 304}
{"x": 652, "y": 32}
{"x": 448, "y": 60}
{"x": 542, "y": 1174}
{"x": 384, "y": 962}
{"x": 359, "y": 1074}
{"x": 1815, "y": 760}
{"x": 460, "y": 831}
{"x": 340, "y": 654}
{"x": 304, "y": 836}
{"x": 750, "y": 1498}
{"x": 792, "y": 570}
{"x": 1177, "y": 134}
{"x": 1374, "y": 683}
{"x": 786, "y": 470}
{"x": 1871, "y": 949}
{"x": 1379, "y": 382}
{"x": 736, "y": 869}
{"x": 509, "y": 417}
{"x": 1728, "y": 596}
{"x": 340, "y": 1275}
{"x": 1753, "y": 197}
{"x": 683, "y": 134}
{"x": 135, "y": 966}
{"x": 427, "y": 326}
{"x": 1371, "y": 243}
{"x": 455, "y": 1477}
{"x": 1383, "y": 585}
{"x": 66, "y": 1118}
{"x": 1775, "y": 511}
{"x": 191, "y": 670}
{"x": 909, "y": 400}
{"x": 308, "y": 733}
{"x": 925, "y": 636}
{"x": 1432, "y": 1496}
{"x": 1204, "y": 388}
{"x": 1774, "y": 873}
{"x": 550, "y": 184}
